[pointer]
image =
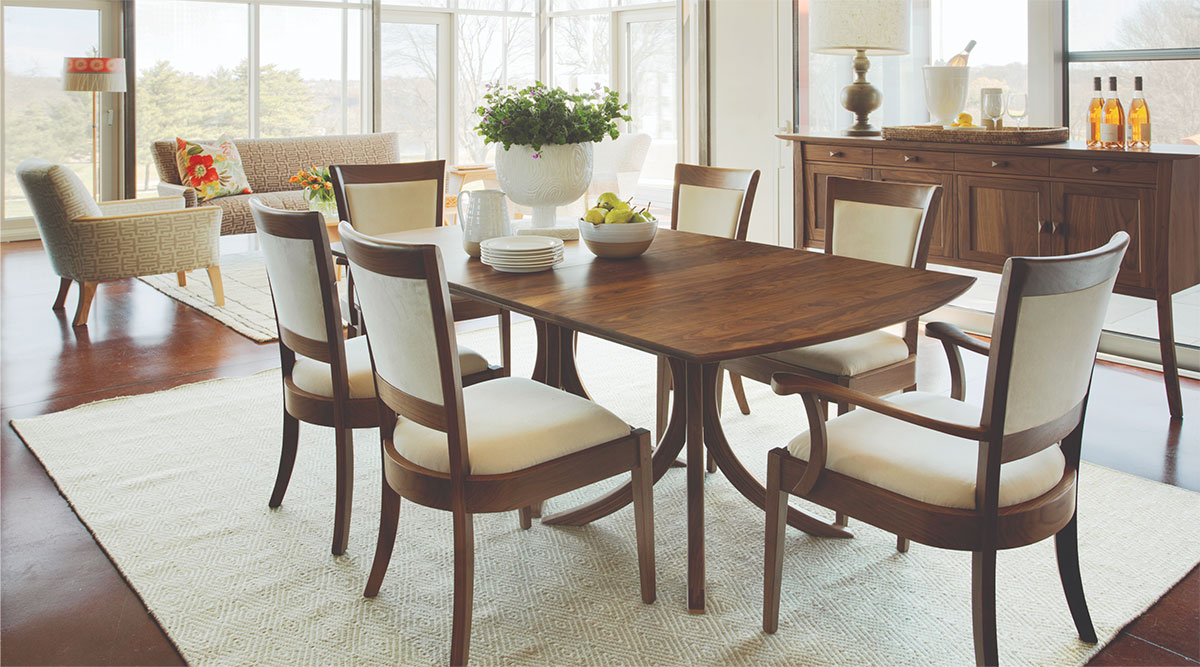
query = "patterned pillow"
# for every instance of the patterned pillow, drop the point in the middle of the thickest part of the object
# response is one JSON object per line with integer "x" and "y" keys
{"x": 212, "y": 170}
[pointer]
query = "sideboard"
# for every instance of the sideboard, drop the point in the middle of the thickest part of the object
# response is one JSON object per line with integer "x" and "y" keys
{"x": 1001, "y": 201}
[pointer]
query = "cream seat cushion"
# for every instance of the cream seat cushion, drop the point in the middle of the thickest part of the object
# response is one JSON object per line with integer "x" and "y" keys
{"x": 922, "y": 464}
{"x": 848, "y": 356}
{"x": 314, "y": 376}
{"x": 513, "y": 424}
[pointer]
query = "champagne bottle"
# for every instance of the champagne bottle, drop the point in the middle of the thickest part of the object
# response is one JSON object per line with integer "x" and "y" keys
{"x": 1139, "y": 117}
{"x": 1112, "y": 129}
{"x": 1095, "y": 114}
{"x": 960, "y": 60}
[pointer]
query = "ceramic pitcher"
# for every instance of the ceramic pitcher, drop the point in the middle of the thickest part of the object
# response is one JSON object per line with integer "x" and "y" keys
{"x": 485, "y": 217}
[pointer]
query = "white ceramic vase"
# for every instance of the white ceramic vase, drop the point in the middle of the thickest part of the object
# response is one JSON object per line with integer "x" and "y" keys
{"x": 559, "y": 175}
{"x": 945, "y": 92}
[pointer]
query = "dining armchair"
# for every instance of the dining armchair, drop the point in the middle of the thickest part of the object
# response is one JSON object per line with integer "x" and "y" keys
{"x": 327, "y": 381}
{"x": 936, "y": 470}
{"x": 495, "y": 446}
{"x": 380, "y": 199}
{"x": 89, "y": 242}
{"x": 717, "y": 202}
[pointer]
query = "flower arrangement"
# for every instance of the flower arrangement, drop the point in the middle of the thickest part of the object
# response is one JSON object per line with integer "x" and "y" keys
{"x": 539, "y": 115}
{"x": 316, "y": 183}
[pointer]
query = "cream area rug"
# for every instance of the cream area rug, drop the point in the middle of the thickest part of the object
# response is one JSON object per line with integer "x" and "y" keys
{"x": 174, "y": 486}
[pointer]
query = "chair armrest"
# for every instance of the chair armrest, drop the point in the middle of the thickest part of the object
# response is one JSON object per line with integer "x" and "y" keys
{"x": 138, "y": 206}
{"x": 145, "y": 244}
{"x": 172, "y": 190}
{"x": 954, "y": 338}
{"x": 789, "y": 383}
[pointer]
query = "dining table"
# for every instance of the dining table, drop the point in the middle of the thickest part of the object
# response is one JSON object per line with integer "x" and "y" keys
{"x": 696, "y": 301}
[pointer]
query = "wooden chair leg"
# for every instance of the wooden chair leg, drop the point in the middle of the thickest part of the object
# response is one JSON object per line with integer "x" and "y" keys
{"x": 60, "y": 301}
{"x": 1066, "y": 547}
{"x": 344, "y": 489}
{"x": 662, "y": 397}
{"x": 287, "y": 459}
{"x": 739, "y": 393}
{"x": 464, "y": 587}
{"x": 87, "y": 290}
{"x": 525, "y": 517}
{"x": 181, "y": 276}
{"x": 983, "y": 606}
{"x": 841, "y": 520}
{"x": 506, "y": 342}
{"x": 218, "y": 288}
{"x": 776, "y": 505}
{"x": 843, "y": 408}
{"x": 389, "y": 517}
{"x": 643, "y": 517}
{"x": 902, "y": 544}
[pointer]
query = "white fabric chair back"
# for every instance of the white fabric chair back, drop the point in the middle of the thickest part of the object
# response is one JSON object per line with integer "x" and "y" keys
{"x": 401, "y": 325}
{"x": 292, "y": 271}
{"x": 876, "y": 232}
{"x": 383, "y": 208}
{"x": 711, "y": 211}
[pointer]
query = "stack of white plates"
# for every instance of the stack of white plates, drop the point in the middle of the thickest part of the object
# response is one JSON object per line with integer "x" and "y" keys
{"x": 521, "y": 254}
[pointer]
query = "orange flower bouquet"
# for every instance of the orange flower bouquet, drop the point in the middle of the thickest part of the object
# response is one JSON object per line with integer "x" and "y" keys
{"x": 318, "y": 190}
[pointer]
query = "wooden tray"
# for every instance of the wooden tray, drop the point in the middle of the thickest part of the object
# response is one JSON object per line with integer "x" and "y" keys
{"x": 1023, "y": 136}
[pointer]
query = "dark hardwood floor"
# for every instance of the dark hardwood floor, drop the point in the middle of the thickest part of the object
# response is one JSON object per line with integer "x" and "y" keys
{"x": 64, "y": 603}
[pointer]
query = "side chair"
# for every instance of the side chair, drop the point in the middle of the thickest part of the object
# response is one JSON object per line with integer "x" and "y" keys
{"x": 495, "y": 446}
{"x": 327, "y": 381}
{"x": 379, "y": 199}
{"x": 933, "y": 469}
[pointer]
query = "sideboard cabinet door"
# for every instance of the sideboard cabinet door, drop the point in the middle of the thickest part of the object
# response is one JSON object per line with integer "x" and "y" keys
{"x": 1085, "y": 216}
{"x": 941, "y": 241}
{"x": 1002, "y": 217}
{"x": 815, "y": 176}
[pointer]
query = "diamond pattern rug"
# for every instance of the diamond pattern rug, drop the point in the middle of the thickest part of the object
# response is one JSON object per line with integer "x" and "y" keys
{"x": 175, "y": 485}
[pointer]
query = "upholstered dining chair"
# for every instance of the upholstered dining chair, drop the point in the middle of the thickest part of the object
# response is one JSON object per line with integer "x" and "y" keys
{"x": 327, "y": 381}
{"x": 933, "y": 469}
{"x": 717, "y": 202}
{"x": 495, "y": 446}
{"x": 89, "y": 242}
{"x": 384, "y": 198}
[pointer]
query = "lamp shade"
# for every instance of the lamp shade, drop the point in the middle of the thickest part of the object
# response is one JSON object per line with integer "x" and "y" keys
{"x": 100, "y": 75}
{"x": 841, "y": 27}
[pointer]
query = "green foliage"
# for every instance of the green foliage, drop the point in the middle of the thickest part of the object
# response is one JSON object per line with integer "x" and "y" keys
{"x": 539, "y": 115}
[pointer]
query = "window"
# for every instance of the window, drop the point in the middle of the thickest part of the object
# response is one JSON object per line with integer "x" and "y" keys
{"x": 491, "y": 49}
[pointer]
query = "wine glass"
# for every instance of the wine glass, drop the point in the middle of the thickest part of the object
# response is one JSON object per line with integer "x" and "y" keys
{"x": 993, "y": 106}
{"x": 1018, "y": 108}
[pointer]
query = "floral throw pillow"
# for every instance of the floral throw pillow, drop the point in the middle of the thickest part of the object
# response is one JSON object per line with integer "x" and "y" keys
{"x": 212, "y": 170}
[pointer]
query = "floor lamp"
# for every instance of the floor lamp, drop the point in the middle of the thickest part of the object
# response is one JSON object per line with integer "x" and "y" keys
{"x": 94, "y": 75}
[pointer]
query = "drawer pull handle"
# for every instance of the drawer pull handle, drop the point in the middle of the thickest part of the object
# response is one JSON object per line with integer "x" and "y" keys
{"x": 1044, "y": 227}
{"x": 1058, "y": 228}
{"x": 1100, "y": 170}
{"x": 912, "y": 158}
{"x": 1001, "y": 164}
{"x": 835, "y": 153}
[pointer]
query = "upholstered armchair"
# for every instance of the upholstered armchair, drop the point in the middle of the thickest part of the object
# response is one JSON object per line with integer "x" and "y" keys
{"x": 90, "y": 242}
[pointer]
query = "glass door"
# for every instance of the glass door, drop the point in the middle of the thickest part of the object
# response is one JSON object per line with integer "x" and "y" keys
{"x": 415, "y": 76}
{"x": 648, "y": 78}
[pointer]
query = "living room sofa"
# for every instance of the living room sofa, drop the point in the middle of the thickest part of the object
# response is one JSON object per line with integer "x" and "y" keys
{"x": 269, "y": 163}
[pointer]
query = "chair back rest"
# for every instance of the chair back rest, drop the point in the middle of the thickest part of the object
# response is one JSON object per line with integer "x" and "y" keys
{"x": 57, "y": 197}
{"x": 380, "y": 199}
{"x": 713, "y": 201}
{"x": 295, "y": 248}
{"x": 1044, "y": 340}
{"x": 406, "y": 307}
{"x": 880, "y": 221}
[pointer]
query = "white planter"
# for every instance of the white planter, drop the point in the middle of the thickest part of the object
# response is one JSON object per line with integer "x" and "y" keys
{"x": 558, "y": 176}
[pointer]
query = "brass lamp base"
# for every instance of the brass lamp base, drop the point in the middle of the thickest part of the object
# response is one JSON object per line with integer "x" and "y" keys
{"x": 861, "y": 98}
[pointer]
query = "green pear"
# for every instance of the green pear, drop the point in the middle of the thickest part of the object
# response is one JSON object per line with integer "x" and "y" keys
{"x": 608, "y": 200}
{"x": 595, "y": 215}
{"x": 618, "y": 216}
{"x": 622, "y": 206}
{"x": 640, "y": 216}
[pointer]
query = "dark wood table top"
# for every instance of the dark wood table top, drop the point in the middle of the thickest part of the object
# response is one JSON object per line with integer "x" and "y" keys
{"x": 702, "y": 298}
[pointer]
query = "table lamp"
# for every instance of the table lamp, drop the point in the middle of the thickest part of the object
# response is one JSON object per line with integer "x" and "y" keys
{"x": 858, "y": 28}
{"x": 94, "y": 75}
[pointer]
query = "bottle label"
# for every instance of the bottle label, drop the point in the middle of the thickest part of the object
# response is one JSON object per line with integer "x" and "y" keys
{"x": 1108, "y": 132}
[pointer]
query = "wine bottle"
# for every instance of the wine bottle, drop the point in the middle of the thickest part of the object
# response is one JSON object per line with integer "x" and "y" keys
{"x": 1112, "y": 129}
{"x": 1095, "y": 114}
{"x": 960, "y": 60}
{"x": 1139, "y": 117}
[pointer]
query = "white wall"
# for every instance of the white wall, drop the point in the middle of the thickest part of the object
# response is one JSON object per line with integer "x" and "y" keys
{"x": 750, "y": 99}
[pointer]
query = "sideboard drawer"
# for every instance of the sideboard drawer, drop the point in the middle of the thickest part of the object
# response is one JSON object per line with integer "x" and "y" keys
{"x": 1002, "y": 164}
{"x": 1120, "y": 171}
{"x": 888, "y": 157}
{"x": 828, "y": 153}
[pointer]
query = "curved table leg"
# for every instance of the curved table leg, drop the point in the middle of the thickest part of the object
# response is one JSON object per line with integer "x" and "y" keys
{"x": 664, "y": 455}
{"x": 568, "y": 374}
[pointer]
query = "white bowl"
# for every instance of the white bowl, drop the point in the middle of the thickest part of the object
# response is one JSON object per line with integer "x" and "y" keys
{"x": 618, "y": 241}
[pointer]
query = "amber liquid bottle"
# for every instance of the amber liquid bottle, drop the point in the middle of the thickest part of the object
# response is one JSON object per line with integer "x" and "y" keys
{"x": 1095, "y": 114}
{"x": 1112, "y": 128}
{"x": 1139, "y": 117}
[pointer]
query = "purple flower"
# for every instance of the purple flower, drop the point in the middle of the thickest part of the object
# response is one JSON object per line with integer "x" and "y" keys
{"x": 536, "y": 155}
{"x": 504, "y": 122}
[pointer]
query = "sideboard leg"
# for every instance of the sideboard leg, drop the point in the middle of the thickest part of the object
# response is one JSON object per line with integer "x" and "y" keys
{"x": 1166, "y": 345}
